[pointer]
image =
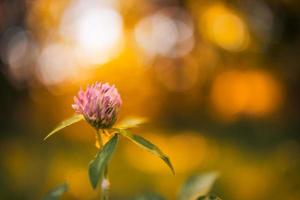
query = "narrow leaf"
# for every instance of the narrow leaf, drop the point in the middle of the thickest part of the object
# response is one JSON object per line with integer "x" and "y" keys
{"x": 197, "y": 186}
{"x": 131, "y": 122}
{"x": 145, "y": 144}
{"x": 65, "y": 123}
{"x": 57, "y": 192}
{"x": 149, "y": 196}
{"x": 210, "y": 197}
{"x": 97, "y": 166}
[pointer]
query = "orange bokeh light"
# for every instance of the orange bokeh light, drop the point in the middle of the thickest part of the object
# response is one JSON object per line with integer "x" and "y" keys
{"x": 254, "y": 93}
{"x": 224, "y": 27}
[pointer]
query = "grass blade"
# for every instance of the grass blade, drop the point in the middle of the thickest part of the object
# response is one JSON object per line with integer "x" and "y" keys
{"x": 65, "y": 123}
{"x": 147, "y": 145}
{"x": 57, "y": 192}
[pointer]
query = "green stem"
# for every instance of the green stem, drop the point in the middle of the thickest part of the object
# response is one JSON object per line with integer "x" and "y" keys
{"x": 105, "y": 181}
{"x": 105, "y": 185}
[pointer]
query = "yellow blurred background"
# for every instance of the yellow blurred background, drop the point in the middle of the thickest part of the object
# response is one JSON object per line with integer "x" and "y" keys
{"x": 218, "y": 81}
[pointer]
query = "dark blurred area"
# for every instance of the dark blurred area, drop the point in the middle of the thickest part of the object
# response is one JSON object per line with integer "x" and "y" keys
{"x": 218, "y": 80}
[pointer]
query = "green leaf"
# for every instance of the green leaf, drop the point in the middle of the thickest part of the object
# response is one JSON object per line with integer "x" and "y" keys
{"x": 149, "y": 196}
{"x": 57, "y": 192}
{"x": 197, "y": 186}
{"x": 131, "y": 122}
{"x": 65, "y": 123}
{"x": 211, "y": 197}
{"x": 145, "y": 144}
{"x": 97, "y": 166}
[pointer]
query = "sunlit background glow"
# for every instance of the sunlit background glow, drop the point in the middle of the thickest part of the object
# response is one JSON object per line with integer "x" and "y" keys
{"x": 94, "y": 28}
{"x": 18, "y": 52}
{"x": 54, "y": 71}
{"x": 168, "y": 32}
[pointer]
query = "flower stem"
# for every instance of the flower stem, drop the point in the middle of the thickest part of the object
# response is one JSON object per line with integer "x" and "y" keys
{"x": 105, "y": 181}
{"x": 105, "y": 185}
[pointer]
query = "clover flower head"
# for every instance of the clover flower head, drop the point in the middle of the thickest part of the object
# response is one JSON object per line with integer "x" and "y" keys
{"x": 99, "y": 104}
